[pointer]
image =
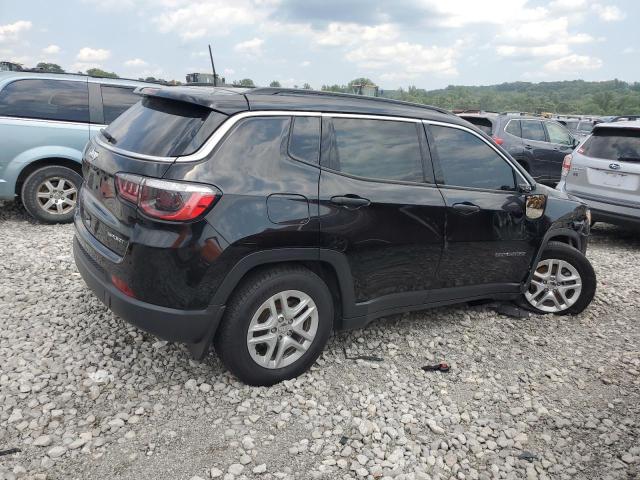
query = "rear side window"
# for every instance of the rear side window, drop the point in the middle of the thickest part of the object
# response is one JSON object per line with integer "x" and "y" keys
{"x": 304, "y": 143}
{"x": 63, "y": 100}
{"x": 513, "y": 127}
{"x": 467, "y": 161}
{"x": 483, "y": 124}
{"x": 558, "y": 134}
{"x": 163, "y": 128}
{"x": 378, "y": 149}
{"x": 533, "y": 130}
{"x": 116, "y": 100}
{"x": 613, "y": 144}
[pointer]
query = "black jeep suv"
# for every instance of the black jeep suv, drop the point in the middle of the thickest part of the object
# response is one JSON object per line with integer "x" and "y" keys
{"x": 259, "y": 220}
{"x": 538, "y": 144}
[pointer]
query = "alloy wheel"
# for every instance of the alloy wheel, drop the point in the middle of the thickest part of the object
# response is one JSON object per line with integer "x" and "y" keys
{"x": 57, "y": 195}
{"x": 282, "y": 329}
{"x": 555, "y": 286}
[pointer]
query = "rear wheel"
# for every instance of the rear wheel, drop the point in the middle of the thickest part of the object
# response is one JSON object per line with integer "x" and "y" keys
{"x": 50, "y": 194}
{"x": 563, "y": 283}
{"x": 276, "y": 325}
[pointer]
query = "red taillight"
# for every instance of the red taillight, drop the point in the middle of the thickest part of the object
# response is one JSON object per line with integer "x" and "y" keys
{"x": 498, "y": 140}
{"x": 566, "y": 165}
{"x": 128, "y": 186}
{"x": 164, "y": 199}
{"x": 122, "y": 286}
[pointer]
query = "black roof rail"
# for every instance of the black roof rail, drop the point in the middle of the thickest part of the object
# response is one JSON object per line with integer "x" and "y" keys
{"x": 302, "y": 91}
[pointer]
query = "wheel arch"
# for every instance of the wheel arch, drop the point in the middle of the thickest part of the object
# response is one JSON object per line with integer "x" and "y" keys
{"x": 31, "y": 167}
{"x": 329, "y": 265}
{"x": 562, "y": 235}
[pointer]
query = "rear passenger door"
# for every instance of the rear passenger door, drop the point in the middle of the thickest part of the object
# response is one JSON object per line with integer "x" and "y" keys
{"x": 379, "y": 206}
{"x": 488, "y": 244}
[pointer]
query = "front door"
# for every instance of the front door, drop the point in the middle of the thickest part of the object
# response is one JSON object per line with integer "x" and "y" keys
{"x": 379, "y": 209}
{"x": 488, "y": 241}
{"x": 535, "y": 144}
{"x": 561, "y": 143}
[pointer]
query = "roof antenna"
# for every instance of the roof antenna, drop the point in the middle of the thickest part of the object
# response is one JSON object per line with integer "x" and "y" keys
{"x": 213, "y": 67}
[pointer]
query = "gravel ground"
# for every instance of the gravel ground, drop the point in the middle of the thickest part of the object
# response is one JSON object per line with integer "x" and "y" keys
{"x": 83, "y": 395}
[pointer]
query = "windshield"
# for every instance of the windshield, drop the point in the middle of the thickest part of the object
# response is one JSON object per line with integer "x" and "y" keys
{"x": 613, "y": 144}
{"x": 163, "y": 128}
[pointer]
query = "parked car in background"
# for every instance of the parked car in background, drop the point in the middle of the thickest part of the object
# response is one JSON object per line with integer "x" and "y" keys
{"x": 536, "y": 143}
{"x": 604, "y": 171}
{"x": 261, "y": 220}
{"x": 624, "y": 118}
{"x": 45, "y": 122}
{"x": 580, "y": 129}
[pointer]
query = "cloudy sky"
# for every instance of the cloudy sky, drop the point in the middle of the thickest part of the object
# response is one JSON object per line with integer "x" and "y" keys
{"x": 428, "y": 43}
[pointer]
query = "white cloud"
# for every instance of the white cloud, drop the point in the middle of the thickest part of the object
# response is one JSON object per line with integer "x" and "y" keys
{"x": 461, "y": 13}
{"x": 306, "y": 63}
{"x": 629, "y": 50}
{"x": 51, "y": 50}
{"x": 341, "y": 34}
{"x": 407, "y": 59}
{"x": 135, "y": 62}
{"x": 608, "y": 13}
{"x": 251, "y": 47}
{"x": 196, "y": 19}
{"x": 573, "y": 63}
{"x": 229, "y": 71}
{"x": 92, "y": 55}
{"x": 12, "y": 31}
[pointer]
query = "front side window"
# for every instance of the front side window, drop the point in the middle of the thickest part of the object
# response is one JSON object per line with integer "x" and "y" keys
{"x": 378, "y": 149}
{"x": 467, "y": 161}
{"x": 304, "y": 143}
{"x": 116, "y": 100}
{"x": 533, "y": 130}
{"x": 557, "y": 134}
{"x": 63, "y": 100}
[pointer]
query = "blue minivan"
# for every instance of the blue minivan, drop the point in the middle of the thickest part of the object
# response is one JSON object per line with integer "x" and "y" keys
{"x": 45, "y": 122}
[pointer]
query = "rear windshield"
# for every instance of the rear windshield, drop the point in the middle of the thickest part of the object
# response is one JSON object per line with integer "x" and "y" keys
{"x": 483, "y": 124}
{"x": 163, "y": 128}
{"x": 613, "y": 144}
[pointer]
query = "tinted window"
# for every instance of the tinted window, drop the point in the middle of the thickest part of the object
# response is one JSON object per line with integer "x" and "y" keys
{"x": 305, "y": 139}
{"x": 381, "y": 149}
{"x": 483, "y": 124}
{"x": 585, "y": 127}
{"x": 571, "y": 125}
{"x": 467, "y": 161}
{"x": 532, "y": 130}
{"x": 164, "y": 128}
{"x": 613, "y": 144}
{"x": 513, "y": 127}
{"x": 116, "y": 100}
{"x": 254, "y": 141}
{"x": 558, "y": 134}
{"x": 46, "y": 99}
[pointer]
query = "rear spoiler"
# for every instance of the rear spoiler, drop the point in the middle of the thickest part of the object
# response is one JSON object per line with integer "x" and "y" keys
{"x": 222, "y": 100}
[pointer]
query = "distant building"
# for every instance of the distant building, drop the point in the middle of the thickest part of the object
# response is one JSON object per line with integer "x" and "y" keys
{"x": 368, "y": 90}
{"x": 204, "y": 78}
{"x": 9, "y": 66}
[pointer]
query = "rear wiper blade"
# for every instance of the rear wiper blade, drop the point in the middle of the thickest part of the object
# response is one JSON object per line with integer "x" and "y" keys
{"x": 110, "y": 138}
{"x": 629, "y": 159}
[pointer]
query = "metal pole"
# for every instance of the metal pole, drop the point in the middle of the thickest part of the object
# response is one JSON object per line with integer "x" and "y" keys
{"x": 213, "y": 67}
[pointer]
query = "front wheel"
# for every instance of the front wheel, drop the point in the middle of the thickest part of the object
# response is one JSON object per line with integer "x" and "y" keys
{"x": 564, "y": 281}
{"x": 50, "y": 194}
{"x": 275, "y": 326}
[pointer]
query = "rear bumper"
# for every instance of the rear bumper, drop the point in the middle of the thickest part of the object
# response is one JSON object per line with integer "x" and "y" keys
{"x": 195, "y": 327}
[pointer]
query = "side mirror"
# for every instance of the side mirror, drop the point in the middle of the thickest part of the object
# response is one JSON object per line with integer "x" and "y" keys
{"x": 575, "y": 142}
{"x": 535, "y": 206}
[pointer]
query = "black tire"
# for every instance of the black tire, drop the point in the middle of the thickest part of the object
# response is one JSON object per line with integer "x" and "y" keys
{"x": 29, "y": 194}
{"x": 575, "y": 257}
{"x": 231, "y": 339}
